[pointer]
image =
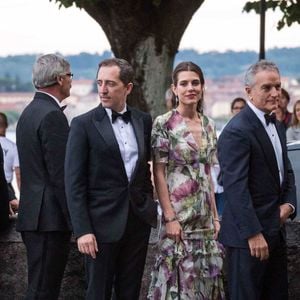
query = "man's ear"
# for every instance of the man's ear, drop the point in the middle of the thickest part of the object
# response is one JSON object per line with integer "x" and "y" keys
{"x": 248, "y": 92}
{"x": 129, "y": 87}
{"x": 59, "y": 80}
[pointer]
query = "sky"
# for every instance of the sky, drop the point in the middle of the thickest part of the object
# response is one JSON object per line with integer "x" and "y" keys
{"x": 39, "y": 27}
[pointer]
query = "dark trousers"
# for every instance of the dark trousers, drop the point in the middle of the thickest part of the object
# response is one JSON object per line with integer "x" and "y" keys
{"x": 252, "y": 279}
{"x": 119, "y": 265}
{"x": 47, "y": 254}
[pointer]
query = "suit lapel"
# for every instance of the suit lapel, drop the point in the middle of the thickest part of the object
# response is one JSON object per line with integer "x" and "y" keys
{"x": 265, "y": 143}
{"x": 104, "y": 127}
{"x": 138, "y": 128}
{"x": 281, "y": 133}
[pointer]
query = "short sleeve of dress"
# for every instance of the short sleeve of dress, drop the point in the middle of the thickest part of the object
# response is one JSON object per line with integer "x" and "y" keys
{"x": 160, "y": 141}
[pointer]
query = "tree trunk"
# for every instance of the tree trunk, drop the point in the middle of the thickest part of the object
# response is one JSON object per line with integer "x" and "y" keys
{"x": 147, "y": 33}
{"x": 153, "y": 75}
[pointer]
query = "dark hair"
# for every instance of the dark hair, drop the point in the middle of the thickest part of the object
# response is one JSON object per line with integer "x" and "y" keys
{"x": 235, "y": 100}
{"x": 126, "y": 70}
{"x": 3, "y": 120}
{"x": 295, "y": 122}
{"x": 285, "y": 94}
{"x": 189, "y": 66}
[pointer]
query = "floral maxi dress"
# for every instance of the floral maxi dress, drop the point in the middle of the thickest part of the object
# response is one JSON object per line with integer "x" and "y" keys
{"x": 191, "y": 269}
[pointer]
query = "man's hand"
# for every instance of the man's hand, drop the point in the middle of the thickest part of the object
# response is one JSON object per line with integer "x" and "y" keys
{"x": 13, "y": 208}
{"x": 14, "y": 204}
{"x": 258, "y": 246}
{"x": 87, "y": 244}
{"x": 285, "y": 211}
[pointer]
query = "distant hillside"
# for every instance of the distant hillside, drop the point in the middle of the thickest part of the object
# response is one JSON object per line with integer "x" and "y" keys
{"x": 231, "y": 63}
{"x": 15, "y": 71}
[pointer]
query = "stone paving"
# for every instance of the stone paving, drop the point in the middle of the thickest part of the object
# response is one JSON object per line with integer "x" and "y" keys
{"x": 13, "y": 266}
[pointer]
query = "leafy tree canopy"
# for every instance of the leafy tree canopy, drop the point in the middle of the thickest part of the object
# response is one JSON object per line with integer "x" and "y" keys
{"x": 289, "y": 8}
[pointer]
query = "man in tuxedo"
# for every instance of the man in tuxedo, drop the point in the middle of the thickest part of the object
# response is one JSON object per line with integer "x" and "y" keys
{"x": 108, "y": 185}
{"x": 259, "y": 191}
{"x": 43, "y": 219}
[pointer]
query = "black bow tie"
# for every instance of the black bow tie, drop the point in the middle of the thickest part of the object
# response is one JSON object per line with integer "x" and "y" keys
{"x": 126, "y": 116}
{"x": 62, "y": 108}
{"x": 270, "y": 118}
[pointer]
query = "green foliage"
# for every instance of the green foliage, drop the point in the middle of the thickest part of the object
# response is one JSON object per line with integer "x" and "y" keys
{"x": 289, "y": 8}
{"x": 15, "y": 71}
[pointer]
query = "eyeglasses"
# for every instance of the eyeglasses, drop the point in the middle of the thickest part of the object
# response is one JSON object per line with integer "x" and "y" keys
{"x": 68, "y": 74}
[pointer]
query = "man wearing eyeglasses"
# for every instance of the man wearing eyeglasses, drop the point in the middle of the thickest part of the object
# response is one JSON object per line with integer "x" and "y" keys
{"x": 43, "y": 220}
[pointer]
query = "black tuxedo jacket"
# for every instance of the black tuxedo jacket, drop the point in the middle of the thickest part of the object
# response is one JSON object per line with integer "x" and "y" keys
{"x": 4, "y": 206}
{"x": 42, "y": 133}
{"x": 251, "y": 180}
{"x": 98, "y": 191}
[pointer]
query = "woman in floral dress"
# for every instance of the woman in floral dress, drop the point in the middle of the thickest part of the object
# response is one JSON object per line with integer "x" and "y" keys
{"x": 190, "y": 260}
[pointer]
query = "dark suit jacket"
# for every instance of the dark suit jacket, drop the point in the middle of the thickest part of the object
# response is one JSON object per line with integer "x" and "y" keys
{"x": 4, "y": 209}
{"x": 42, "y": 133}
{"x": 251, "y": 180}
{"x": 98, "y": 191}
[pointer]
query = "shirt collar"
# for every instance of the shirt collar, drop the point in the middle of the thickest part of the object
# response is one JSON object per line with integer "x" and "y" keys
{"x": 259, "y": 113}
{"x": 54, "y": 98}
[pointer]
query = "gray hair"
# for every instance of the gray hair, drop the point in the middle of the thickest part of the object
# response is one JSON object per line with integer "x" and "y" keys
{"x": 46, "y": 69}
{"x": 262, "y": 65}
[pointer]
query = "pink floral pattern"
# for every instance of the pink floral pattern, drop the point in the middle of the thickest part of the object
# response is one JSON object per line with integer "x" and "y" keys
{"x": 191, "y": 269}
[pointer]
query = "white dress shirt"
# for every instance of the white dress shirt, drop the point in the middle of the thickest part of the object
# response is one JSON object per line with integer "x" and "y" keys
{"x": 126, "y": 139}
{"x": 274, "y": 138}
{"x": 10, "y": 157}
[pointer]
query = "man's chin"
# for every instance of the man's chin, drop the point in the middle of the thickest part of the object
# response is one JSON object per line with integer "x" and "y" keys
{"x": 106, "y": 105}
{"x": 270, "y": 109}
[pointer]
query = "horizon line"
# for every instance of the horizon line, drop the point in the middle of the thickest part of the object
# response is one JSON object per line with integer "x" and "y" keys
{"x": 179, "y": 50}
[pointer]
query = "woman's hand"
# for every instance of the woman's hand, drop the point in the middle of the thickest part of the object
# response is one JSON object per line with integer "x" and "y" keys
{"x": 217, "y": 227}
{"x": 174, "y": 231}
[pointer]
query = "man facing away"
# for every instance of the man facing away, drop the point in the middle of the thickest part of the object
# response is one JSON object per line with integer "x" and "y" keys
{"x": 259, "y": 191}
{"x": 43, "y": 220}
{"x": 11, "y": 164}
{"x": 108, "y": 185}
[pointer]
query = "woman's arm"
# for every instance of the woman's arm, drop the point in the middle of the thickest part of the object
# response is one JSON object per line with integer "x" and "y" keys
{"x": 173, "y": 228}
{"x": 214, "y": 206}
